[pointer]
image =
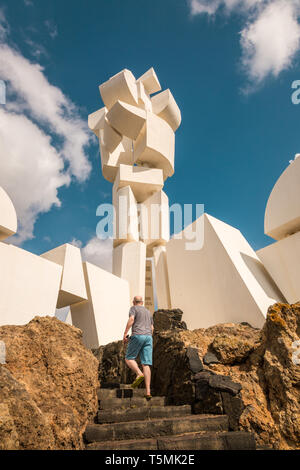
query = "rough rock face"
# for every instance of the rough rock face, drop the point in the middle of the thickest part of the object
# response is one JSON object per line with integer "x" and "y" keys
{"x": 260, "y": 361}
{"x": 169, "y": 320}
{"x": 47, "y": 386}
{"x": 112, "y": 367}
{"x": 232, "y": 369}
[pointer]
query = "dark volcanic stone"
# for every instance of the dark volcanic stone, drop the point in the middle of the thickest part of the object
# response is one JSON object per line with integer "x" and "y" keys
{"x": 223, "y": 383}
{"x": 195, "y": 363}
{"x": 210, "y": 358}
{"x": 168, "y": 320}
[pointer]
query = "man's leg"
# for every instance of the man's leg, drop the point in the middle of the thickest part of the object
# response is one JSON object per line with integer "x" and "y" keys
{"x": 132, "y": 364}
{"x": 147, "y": 375}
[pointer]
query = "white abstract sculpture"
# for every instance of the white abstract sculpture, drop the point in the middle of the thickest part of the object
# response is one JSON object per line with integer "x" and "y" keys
{"x": 282, "y": 222}
{"x": 137, "y": 147}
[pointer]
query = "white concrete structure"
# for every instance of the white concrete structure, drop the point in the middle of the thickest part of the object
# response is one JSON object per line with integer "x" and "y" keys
{"x": 129, "y": 263}
{"x": 162, "y": 277}
{"x": 72, "y": 287}
{"x": 103, "y": 315}
{"x": 222, "y": 282}
{"x": 8, "y": 216}
{"x": 29, "y": 286}
{"x": 139, "y": 169}
{"x": 282, "y": 260}
{"x": 282, "y": 217}
{"x": 282, "y": 222}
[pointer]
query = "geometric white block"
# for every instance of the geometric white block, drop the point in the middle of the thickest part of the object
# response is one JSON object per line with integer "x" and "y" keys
{"x": 150, "y": 81}
{"x": 282, "y": 261}
{"x": 222, "y": 282}
{"x": 143, "y": 181}
{"x": 110, "y": 138}
{"x": 282, "y": 216}
{"x": 161, "y": 277}
{"x": 129, "y": 263}
{"x": 165, "y": 106}
{"x": 8, "y": 216}
{"x": 128, "y": 120}
{"x": 144, "y": 98}
{"x": 96, "y": 120}
{"x": 121, "y": 86}
{"x": 155, "y": 145}
{"x": 110, "y": 161}
{"x": 126, "y": 224}
{"x": 72, "y": 288}
{"x": 103, "y": 316}
{"x": 155, "y": 220}
{"x": 29, "y": 286}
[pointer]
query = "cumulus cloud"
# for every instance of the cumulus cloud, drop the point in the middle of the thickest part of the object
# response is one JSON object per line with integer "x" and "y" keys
{"x": 270, "y": 37}
{"x": 271, "y": 42}
{"x": 97, "y": 251}
{"x": 43, "y": 139}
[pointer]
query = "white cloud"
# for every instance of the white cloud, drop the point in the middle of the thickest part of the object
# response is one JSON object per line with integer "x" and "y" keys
{"x": 52, "y": 28}
{"x": 31, "y": 169}
{"x": 270, "y": 38}
{"x": 271, "y": 42}
{"x": 43, "y": 138}
{"x": 97, "y": 251}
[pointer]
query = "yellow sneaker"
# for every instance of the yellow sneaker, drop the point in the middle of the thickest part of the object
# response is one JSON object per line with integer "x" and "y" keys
{"x": 137, "y": 382}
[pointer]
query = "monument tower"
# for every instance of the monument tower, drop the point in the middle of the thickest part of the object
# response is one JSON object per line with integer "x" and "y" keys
{"x": 136, "y": 133}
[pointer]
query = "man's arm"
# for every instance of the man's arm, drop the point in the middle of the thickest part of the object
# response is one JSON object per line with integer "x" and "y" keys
{"x": 128, "y": 326}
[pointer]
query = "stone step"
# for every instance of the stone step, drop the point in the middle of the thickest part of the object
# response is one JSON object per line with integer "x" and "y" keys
{"x": 191, "y": 441}
{"x": 115, "y": 386}
{"x": 134, "y": 402}
{"x": 155, "y": 427}
{"x": 142, "y": 413}
{"x": 104, "y": 393}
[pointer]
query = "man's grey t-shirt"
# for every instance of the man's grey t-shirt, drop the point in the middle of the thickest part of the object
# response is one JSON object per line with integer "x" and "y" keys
{"x": 143, "y": 320}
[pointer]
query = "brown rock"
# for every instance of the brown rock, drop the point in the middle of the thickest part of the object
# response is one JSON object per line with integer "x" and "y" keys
{"x": 231, "y": 349}
{"x": 47, "y": 386}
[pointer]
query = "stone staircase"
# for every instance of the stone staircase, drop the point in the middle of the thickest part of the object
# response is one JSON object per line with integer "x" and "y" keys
{"x": 127, "y": 421}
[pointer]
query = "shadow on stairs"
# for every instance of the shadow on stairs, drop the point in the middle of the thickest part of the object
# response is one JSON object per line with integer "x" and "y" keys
{"x": 127, "y": 421}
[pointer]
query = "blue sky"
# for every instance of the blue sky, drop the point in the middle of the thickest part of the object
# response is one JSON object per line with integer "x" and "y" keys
{"x": 239, "y": 127}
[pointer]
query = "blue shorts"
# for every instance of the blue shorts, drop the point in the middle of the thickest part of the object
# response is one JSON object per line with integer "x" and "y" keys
{"x": 140, "y": 345}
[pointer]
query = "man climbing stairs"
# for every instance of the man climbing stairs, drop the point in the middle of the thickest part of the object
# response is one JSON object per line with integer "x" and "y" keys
{"x": 127, "y": 421}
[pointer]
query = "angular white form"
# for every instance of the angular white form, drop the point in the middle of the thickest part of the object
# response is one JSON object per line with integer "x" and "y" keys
{"x": 72, "y": 288}
{"x": 165, "y": 106}
{"x": 150, "y": 81}
{"x": 128, "y": 120}
{"x": 129, "y": 263}
{"x": 222, "y": 282}
{"x": 144, "y": 98}
{"x": 143, "y": 181}
{"x": 96, "y": 120}
{"x": 8, "y": 216}
{"x": 126, "y": 224}
{"x": 110, "y": 138}
{"x": 29, "y": 286}
{"x": 161, "y": 277}
{"x": 155, "y": 220}
{"x": 282, "y": 216}
{"x": 155, "y": 145}
{"x": 121, "y": 86}
{"x": 103, "y": 316}
{"x": 110, "y": 161}
{"x": 281, "y": 259}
